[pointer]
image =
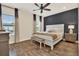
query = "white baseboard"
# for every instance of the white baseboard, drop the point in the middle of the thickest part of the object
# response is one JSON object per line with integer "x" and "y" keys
{"x": 20, "y": 40}
{"x": 77, "y": 42}
{"x": 11, "y": 42}
{"x": 24, "y": 39}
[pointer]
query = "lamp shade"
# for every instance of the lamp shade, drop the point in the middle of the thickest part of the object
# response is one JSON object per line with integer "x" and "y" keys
{"x": 71, "y": 26}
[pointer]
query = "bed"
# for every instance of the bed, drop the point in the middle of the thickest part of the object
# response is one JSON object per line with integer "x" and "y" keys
{"x": 52, "y": 35}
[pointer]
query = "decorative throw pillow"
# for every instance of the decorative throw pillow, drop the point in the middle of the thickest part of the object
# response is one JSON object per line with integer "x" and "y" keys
{"x": 54, "y": 36}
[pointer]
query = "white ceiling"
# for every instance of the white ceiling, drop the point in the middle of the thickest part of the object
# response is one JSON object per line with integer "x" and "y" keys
{"x": 55, "y": 7}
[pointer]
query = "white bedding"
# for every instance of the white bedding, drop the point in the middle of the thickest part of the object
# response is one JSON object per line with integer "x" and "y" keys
{"x": 48, "y": 37}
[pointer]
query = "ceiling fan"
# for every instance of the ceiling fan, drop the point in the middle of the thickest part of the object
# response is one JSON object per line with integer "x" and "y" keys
{"x": 42, "y": 8}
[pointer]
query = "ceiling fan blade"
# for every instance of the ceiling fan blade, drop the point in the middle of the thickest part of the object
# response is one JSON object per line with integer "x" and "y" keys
{"x": 47, "y": 9}
{"x": 36, "y": 9}
{"x": 36, "y": 4}
{"x": 46, "y": 5}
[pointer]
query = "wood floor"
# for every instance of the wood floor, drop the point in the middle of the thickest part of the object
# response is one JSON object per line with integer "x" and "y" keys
{"x": 32, "y": 49}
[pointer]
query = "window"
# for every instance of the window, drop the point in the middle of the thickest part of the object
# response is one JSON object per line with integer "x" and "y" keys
{"x": 8, "y": 22}
{"x": 38, "y": 24}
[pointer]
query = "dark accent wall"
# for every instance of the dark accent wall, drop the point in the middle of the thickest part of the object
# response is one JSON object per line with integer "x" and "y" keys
{"x": 67, "y": 17}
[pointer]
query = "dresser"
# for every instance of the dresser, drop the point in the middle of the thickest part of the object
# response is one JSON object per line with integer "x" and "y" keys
{"x": 4, "y": 44}
{"x": 70, "y": 37}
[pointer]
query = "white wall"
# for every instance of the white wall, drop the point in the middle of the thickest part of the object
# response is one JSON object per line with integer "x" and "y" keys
{"x": 25, "y": 25}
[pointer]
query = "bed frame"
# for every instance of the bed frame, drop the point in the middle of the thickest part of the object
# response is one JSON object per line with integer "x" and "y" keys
{"x": 47, "y": 40}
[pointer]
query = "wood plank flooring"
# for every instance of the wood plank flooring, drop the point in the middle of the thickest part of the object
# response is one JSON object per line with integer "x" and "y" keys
{"x": 29, "y": 48}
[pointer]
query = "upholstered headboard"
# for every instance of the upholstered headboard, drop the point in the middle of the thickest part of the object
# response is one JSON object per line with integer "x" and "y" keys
{"x": 58, "y": 28}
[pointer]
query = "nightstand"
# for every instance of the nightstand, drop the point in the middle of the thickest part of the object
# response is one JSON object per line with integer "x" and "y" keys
{"x": 70, "y": 37}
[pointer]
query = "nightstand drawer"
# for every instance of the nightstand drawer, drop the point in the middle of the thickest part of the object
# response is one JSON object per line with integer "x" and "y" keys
{"x": 70, "y": 37}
